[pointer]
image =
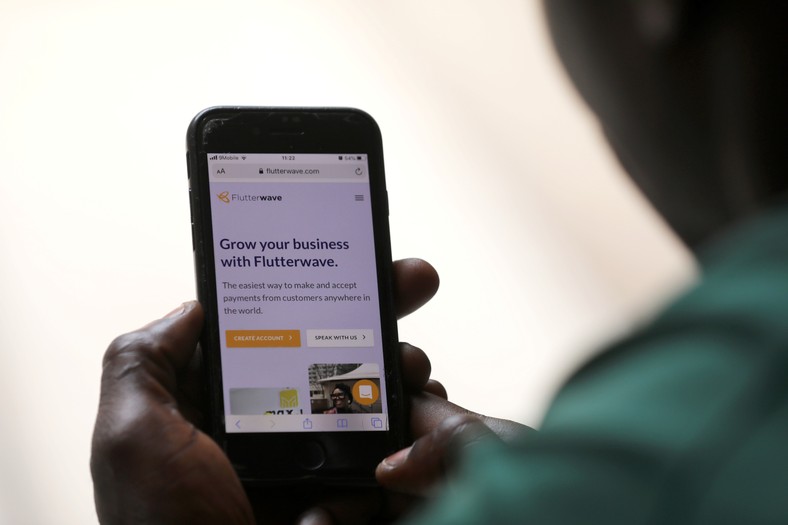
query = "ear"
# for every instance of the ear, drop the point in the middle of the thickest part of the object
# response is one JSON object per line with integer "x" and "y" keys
{"x": 662, "y": 22}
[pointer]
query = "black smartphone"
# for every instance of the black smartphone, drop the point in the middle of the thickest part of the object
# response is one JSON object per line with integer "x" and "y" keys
{"x": 293, "y": 262}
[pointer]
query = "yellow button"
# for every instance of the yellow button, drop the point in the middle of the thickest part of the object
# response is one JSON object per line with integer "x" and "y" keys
{"x": 263, "y": 338}
{"x": 365, "y": 392}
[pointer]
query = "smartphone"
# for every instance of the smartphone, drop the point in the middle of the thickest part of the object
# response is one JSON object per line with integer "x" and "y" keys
{"x": 293, "y": 263}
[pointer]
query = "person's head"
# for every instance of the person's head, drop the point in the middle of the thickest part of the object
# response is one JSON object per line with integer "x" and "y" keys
{"x": 691, "y": 95}
{"x": 341, "y": 396}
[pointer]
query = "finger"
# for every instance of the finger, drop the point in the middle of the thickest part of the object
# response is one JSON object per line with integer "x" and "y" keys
{"x": 345, "y": 506}
{"x": 192, "y": 396}
{"x": 428, "y": 411}
{"x": 141, "y": 368}
{"x": 415, "y": 470}
{"x": 416, "y": 367}
{"x": 158, "y": 350}
{"x": 139, "y": 381}
{"x": 315, "y": 516}
{"x": 177, "y": 333}
{"x": 436, "y": 388}
{"x": 141, "y": 371}
{"x": 415, "y": 282}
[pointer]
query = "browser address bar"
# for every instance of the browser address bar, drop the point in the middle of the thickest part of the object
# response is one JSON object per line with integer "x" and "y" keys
{"x": 287, "y": 171}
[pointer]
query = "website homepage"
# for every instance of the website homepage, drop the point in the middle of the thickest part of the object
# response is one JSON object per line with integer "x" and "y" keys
{"x": 297, "y": 293}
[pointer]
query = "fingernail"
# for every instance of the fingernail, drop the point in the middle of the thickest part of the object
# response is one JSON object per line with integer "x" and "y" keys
{"x": 314, "y": 516}
{"x": 397, "y": 458}
{"x": 176, "y": 312}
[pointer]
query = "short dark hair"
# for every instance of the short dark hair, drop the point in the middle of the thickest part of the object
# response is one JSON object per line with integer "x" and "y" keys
{"x": 345, "y": 389}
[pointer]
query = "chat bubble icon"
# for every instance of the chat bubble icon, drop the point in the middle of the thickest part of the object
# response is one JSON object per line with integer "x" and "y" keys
{"x": 365, "y": 392}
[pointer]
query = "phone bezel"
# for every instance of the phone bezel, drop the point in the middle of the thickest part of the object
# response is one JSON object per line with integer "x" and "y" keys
{"x": 350, "y": 457}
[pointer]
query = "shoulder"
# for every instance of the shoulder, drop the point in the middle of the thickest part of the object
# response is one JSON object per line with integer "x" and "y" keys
{"x": 681, "y": 422}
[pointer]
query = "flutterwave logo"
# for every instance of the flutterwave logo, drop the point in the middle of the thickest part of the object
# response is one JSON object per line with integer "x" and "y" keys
{"x": 224, "y": 197}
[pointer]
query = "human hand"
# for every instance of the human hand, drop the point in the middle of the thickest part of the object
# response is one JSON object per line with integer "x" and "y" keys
{"x": 150, "y": 461}
{"x": 443, "y": 431}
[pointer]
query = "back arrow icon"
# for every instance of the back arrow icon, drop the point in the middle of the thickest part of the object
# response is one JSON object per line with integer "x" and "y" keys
{"x": 238, "y": 424}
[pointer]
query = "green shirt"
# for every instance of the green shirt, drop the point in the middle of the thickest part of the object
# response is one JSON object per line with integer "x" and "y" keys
{"x": 684, "y": 422}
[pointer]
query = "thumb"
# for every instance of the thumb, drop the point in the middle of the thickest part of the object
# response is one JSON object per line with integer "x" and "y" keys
{"x": 415, "y": 470}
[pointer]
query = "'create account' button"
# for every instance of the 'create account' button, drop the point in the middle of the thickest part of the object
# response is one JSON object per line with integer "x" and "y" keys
{"x": 263, "y": 338}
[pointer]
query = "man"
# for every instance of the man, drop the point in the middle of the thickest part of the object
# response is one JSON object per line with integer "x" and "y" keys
{"x": 683, "y": 422}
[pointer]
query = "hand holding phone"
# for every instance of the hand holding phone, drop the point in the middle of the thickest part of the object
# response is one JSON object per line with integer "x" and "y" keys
{"x": 150, "y": 458}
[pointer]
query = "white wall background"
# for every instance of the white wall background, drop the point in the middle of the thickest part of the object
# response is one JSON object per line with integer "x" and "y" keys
{"x": 496, "y": 175}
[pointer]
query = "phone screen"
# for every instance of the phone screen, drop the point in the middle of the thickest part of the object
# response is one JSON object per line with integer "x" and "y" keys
{"x": 297, "y": 293}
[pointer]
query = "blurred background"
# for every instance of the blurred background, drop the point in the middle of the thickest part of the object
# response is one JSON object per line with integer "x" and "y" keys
{"x": 497, "y": 174}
